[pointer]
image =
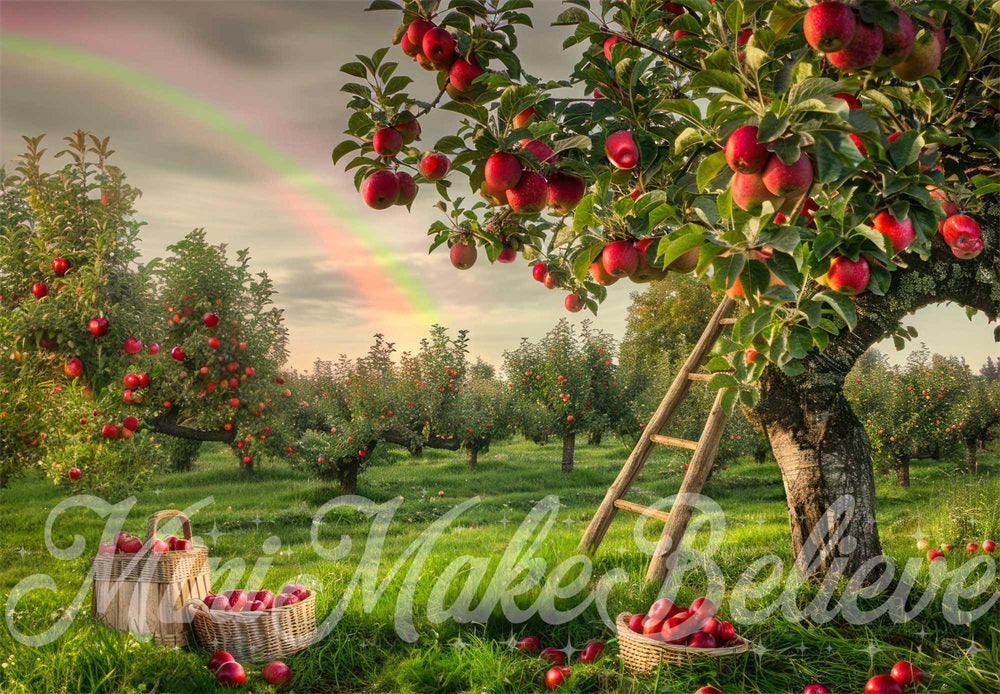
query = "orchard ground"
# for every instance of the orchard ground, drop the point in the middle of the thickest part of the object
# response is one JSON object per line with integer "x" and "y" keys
{"x": 364, "y": 653}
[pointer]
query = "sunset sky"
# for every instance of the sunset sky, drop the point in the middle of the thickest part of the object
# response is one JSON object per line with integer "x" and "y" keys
{"x": 224, "y": 115}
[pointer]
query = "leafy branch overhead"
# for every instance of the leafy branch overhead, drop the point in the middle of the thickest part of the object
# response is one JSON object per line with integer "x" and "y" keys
{"x": 793, "y": 155}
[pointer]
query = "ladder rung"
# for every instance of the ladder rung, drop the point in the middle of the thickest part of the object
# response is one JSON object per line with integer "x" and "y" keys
{"x": 704, "y": 378}
{"x": 671, "y": 441}
{"x": 645, "y": 510}
{"x": 728, "y": 321}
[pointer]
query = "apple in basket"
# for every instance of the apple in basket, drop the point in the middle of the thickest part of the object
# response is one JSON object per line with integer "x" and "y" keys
{"x": 266, "y": 597}
{"x": 663, "y": 609}
{"x": 283, "y": 599}
{"x": 652, "y": 627}
{"x": 237, "y": 599}
{"x": 302, "y": 594}
{"x": 635, "y": 623}
{"x": 107, "y": 548}
{"x": 220, "y": 602}
{"x": 218, "y": 658}
{"x": 131, "y": 545}
{"x": 700, "y": 639}
{"x": 292, "y": 588}
{"x": 255, "y": 606}
{"x": 159, "y": 546}
{"x": 181, "y": 544}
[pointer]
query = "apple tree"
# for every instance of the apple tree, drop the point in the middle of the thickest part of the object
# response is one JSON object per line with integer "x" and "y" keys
{"x": 483, "y": 414}
{"x": 975, "y": 417}
{"x": 802, "y": 165}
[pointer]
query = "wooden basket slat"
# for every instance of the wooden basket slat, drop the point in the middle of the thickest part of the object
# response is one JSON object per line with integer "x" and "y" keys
{"x": 642, "y": 655}
{"x": 255, "y": 636}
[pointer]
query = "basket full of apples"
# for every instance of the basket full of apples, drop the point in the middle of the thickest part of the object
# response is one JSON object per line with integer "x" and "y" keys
{"x": 141, "y": 586}
{"x": 671, "y": 634}
{"x": 256, "y": 625}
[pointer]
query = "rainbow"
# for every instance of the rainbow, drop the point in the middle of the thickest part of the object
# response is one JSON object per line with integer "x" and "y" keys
{"x": 386, "y": 284}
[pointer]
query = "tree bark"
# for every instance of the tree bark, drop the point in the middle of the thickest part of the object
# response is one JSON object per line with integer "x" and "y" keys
{"x": 821, "y": 446}
{"x": 971, "y": 456}
{"x": 472, "y": 455}
{"x": 348, "y": 477}
{"x": 594, "y": 438}
{"x": 167, "y": 424}
{"x": 569, "y": 446}
{"x": 903, "y": 471}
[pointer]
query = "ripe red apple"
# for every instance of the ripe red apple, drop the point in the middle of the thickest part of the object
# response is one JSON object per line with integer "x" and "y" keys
{"x": 237, "y": 599}
{"x": 73, "y": 368}
{"x": 407, "y": 189}
{"x": 574, "y": 304}
{"x": 276, "y": 672}
{"x": 958, "y": 227}
{"x": 554, "y": 654}
{"x": 591, "y": 652}
{"x": 463, "y": 73}
{"x": 434, "y": 166}
{"x": 529, "y": 644}
{"x": 883, "y": 684}
{"x": 700, "y": 639}
{"x": 749, "y": 191}
{"x": 524, "y": 117}
{"x": 852, "y": 101}
{"x": 302, "y": 593}
{"x": 726, "y": 632}
{"x": 989, "y": 545}
{"x": 181, "y": 544}
{"x": 178, "y": 353}
{"x": 60, "y": 266}
{"x": 289, "y": 588}
{"x": 900, "y": 232}
{"x": 131, "y": 423}
{"x": 816, "y": 688}
{"x": 608, "y": 43}
{"x": 502, "y": 171}
{"x": 220, "y": 603}
{"x": 635, "y": 622}
{"x": 538, "y": 272}
{"x": 408, "y": 47}
{"x": 154, "y": 348}
{"x": 409, "y": 130}
{"x": 387, "y": 142}
{"x": 230, "y": 674}
{"x": 109, "y": 431}
{"x": 897, "y": 45}
{"x": 507, "y": 255}
{"x": 40, "y": 289}
{"x": 130, "y": 381}
{"x": 711, "y": 626}
{"x": 621, "y": 150}
{"x": 600, "y": 275}
{"x": 703, "y": 607}
{"x": 972, "y": 547}
{"x": 848, "y": 276}
{"x": 283, "y": 599}
{"x": 380, "y": 189}
{"x": 218, "y": 658}
{"x": 255, "y": 606}
{"x": 439, "y": 46}
{"x": 556, "y": 676}
{"x": 829, "y": 26}
{"x": 130, "y": 545}
{"x": 743, "y": 153}
{"x": 210, "y": 319}
{"x": 906, "y": 673}
{"x": 74, "y": 473}
{"x": 652, "y": 627}
{"x": 967, "y": 248}
{"x": 620, "y": 258}
{"x": 107, "y": 548}
{"x": 861, "y": 51}
{"x": 679, "y": 33}
{"x": 924, "y": 57}
{"x": 416, "y": 30}
{"x": 159, "y": 546}
{"x": 663, "y": 608}
{"x": 97, "y": 326}
{"x": 565, "y": 191}
{"x": 541, "y": 151}
{"x": 934, "y": 554}
{"x": 709, "y": 690}
{"x": 783, "y": 179}
{"x": 529, "y": 195}
{"x": 463, "y": 255}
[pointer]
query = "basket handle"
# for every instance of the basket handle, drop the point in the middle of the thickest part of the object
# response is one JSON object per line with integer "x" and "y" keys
{"x": 155, "y": 519}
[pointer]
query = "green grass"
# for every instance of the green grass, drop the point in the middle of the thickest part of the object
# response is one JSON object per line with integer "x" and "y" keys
{"x": 363, "y": 653}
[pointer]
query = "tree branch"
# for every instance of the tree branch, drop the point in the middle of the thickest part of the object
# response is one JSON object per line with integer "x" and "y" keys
{"x": 167, "y": 424}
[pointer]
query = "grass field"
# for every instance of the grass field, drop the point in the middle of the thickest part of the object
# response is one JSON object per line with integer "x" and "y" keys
{"x": 364, "y": 653}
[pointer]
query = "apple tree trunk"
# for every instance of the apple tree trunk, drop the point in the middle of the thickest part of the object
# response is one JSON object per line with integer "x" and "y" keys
{"x": 971, "y": 456}
{"x": 821, "y": 446}
{"x": 903, "y": 471}
{"x": 472, "y": 455}
{"x": 569, "y": 446}
{"x": 594, "y": 438}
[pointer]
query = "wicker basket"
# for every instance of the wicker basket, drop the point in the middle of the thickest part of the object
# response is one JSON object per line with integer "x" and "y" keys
{"x": 642, "y": 654}
{"x": 256, "y": 636}
{"x": 145, "y": 592}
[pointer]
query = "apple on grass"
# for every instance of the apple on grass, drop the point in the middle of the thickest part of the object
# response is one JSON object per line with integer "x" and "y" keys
{"x": 709, "y": 690}
{"x": 556, "y": 676}
{"x": 231, "y": 674}
{"x": 816, "y": 688}
{"x": 906, "y": 673}
{"x": 529, "y": 644}
{"x": 553, "y": 654}
{"x": 883, "y": 684}
{"x": 989, "y": 545}
{"x": 218, "y": 658}
{"x": 60, "y": 266}
{"x": 40, "y": 290}
{"x": 592, "y": 651}
{"x": 98, "y": 326}
{"x": 276, "y": 672}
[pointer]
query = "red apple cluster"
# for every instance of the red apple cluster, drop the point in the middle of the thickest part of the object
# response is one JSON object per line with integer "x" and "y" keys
{"x": 256, "y": 600}
{"x": 902, "y": 676}
{"x": 230, "y": 673}
{"x": 506, "y": 179}
{"x": 695, "y": 626}
{"x": 125, "y": 543}
{"x": 836, "y": 29}
{"x": 559, "y": 672}
{"x": 760, "y": 176}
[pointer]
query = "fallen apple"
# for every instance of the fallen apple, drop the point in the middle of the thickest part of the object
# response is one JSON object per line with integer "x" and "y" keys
{"x": 591, "y": 652}
{"x": 218, "y": 658}
{"x": 230, "y": 674}
{"x": 276, "y": 672}
{"x": 554, "y": 654}
{"x": 556, "y": 676}
{"x": 529, "y": 644}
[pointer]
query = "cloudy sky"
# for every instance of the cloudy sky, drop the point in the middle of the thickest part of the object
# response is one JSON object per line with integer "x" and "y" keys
{"x": 224, "y": 114}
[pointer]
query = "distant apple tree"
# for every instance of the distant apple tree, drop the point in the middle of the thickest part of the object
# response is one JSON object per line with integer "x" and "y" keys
{"x": 755, "y": 143}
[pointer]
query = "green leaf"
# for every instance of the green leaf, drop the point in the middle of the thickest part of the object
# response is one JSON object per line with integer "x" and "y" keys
{"x": 573, "y": 15}
{"x": 687, "y": 237}
{"x": 685, "y": 107}
{"x": 717, "y": 79}
{"x": 722, "y": 380}
{"x": 687, "y": 137}
{"x": 841, "y": 305}
{"x": 906, "y": 148}
{"x": 709, "y": 168}
{"x": 383, "y": 5}
{"x": 583, "y": 215}
{"x": 771, "y": 126}
{"x": 354, "y": 70}
{"x": 344, "y": 148}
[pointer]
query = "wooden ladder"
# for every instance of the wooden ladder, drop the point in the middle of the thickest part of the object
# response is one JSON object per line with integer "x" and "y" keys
{"x": 704, "y": 449}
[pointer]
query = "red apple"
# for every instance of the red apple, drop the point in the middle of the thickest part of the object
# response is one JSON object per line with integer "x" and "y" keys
{"x": 541, "y": 151}
{"x": 700, "y": 639}
{"x": 131, "y": 545}
{"x": 923, "y": 544}
{"x": 154, "y": 348}
{"x": 852, "y": 101}
{"x": 553, "y": 654}
{"x": 726, "y": 632}
{"x": 538, "y": 272}
{"x": 463, "y": 255}
{"x": 529, "y": 644}
{"x": 703, "y": 607}
{"x": 783, "y": 179}
{"x": 711, "y": 626}
{"x": 255, "y": 606}
{"x": 73, "y": 368}
{"x": 130, "y": 381}
{"x": 97, "y": 326}
{"x": 434, "y": 166}
{"x": 502, "y": 171}
{"x": 608, "y": 43}
{"x": 621, "y": 150}
{"x": 218, "y": 658}
{"x": 972, "y": 547}
{"x": 529, "y": 195}
{"x": 507, "y": 255}
{"x": 439, "y": 46}
{"x": 181, "y": 544}
{"x": 897, "y": 45}
{"x": 663, "y": 608}
{"x": 989, "y": 545}
{"x": 107, "y": 548}
{"x": 900, "y": 232}
{"x": 230, "y": 674}
{"x": 883, "y": 684}
{"x": 134, "y": 346}
{"x": 591, "y": 652}
{"x": 463, "y": 73}
{"x": 283, "y": 599}
{"x": 210, "y": 319}
{"x": 109, "y": 431}
{"x": 276, "y": 672}
{"x": 416, "y": 30}
{"x": 60, "y": 266}
{"x": 635, "y": 622}
{"x": 556, "y": 676}
{"x": 743, "y": 153}
{"x": 600, "y": 275}
{"x": 709, "y": 690}
{"x": 652, "y": 627}
{"x": 906, "y": 673}
{"x": 574, "y": 304}
{"x": 524, "y": 117}
{"x": 967, "y": 248}
{"x": 749, "y": 191}
{"x": 565, "y": 191}
{"x": 816, "y": 688}
{"x": 178, "y": 353}
{"x": 74, "y": 473}
{"x": 407, "y": 189}
{"x": 159, "y": 546}
{"x": 220, "y": 603}
{"x": 131, "y": 423}
{"x": 620, "y": 258}
{"x": 380, "y": 189}
{"x": 387, "y": 142}
{"x": 934, "y": 554}
{"x": 829, "y": 26}
{"x": 302, "y": 594}
{"x": 958, "y": 227}
{"x": 848, "y": 276}
{"x": 861, "y": 51}
{"x": 40, "y": 290}
{"x": 409, "y": 130}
